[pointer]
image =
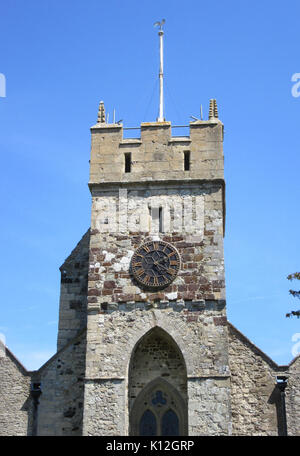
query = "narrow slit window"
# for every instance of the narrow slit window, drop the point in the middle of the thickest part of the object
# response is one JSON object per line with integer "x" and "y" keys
{"x": 160, "y": 219}
{"x": 127, "y": 162}
{"x": 156, "y": 214}
{"x": 186, "y": 160}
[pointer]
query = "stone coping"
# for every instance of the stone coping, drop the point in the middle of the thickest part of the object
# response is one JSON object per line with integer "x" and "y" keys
{"x": 189, "y": 377}
{"x": 176, "y": 306}
{"x": 176, "y": 182}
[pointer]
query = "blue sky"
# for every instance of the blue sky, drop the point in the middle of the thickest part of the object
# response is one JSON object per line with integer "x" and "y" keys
{"x": 61, "y": 58}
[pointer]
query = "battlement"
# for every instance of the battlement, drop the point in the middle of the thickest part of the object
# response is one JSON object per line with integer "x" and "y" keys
{"x": 156, "y": 155}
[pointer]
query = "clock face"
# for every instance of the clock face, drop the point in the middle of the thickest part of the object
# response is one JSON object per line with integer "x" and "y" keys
{"x": 155, "y": 264}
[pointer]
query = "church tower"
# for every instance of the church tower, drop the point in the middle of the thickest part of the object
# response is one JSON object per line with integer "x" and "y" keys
{"x": 157, "y": 348}
{"x": 144, "y": 347}
{"x": 157, "y": 342}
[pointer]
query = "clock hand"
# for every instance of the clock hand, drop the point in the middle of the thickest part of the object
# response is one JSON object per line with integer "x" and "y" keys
{"x": 161, "y": 266}
{"x": 159, "y": 261}
{"x": 149, "y": 261}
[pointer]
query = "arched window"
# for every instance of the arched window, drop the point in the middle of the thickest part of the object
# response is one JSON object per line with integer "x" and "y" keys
{"x": 157, "y": 387}
{"x": 170, "y": 423}
{"x": 159, "y": 410}
{"x": 148, "y": 425}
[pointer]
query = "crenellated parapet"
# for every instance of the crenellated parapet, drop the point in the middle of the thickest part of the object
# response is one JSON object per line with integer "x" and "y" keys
{"x": 157, "y": 155}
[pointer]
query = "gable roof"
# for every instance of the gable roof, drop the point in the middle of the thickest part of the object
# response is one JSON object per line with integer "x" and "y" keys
{"x": 257, "y": 350}
{"x": 14, "y": 359}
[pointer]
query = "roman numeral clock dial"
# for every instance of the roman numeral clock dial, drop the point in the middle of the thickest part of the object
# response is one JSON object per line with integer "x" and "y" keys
{"x": 155, "y": 264}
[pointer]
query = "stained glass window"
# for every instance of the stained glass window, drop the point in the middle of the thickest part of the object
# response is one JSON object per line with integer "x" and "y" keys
{"x": 159, "y": 399}
{"x": 170, "y": 423}
{"x": 148, "y": 424}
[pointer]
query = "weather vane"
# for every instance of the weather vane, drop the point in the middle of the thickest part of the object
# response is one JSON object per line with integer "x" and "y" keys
{"x": 159, "y": 24}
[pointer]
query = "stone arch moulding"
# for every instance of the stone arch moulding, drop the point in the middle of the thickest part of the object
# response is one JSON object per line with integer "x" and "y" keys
{"x": 159, "y": 397}
{"x": 140, "y": 336}
{"x": 157, "y": 363}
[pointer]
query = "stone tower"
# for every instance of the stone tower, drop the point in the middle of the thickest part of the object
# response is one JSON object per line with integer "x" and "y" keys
{"x": 144, "y": 346}
{"x": 156, "y": 341}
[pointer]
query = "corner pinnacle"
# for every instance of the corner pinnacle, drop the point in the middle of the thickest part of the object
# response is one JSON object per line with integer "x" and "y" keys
{"x": 213, "y": 109}
{"x": 101, "y": 113}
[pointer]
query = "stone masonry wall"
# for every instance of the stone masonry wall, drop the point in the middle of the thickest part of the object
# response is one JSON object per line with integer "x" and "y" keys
{"x": 156, "y": 155}
{"x": 209, "y": 406}
{"x": 62, "y": 382}
{"x": 15, "y": 402}
{"x": 201, "y": 275}
{"x": 200, "y": 332}
{"x": 293, "y": 398}
{"x": 255, "y": 400}
{"x": 73, "y": 292}
{"x": 191, "y": 310}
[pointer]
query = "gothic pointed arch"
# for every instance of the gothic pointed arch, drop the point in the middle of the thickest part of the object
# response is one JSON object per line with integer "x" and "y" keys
{"x": 157, "y": 386}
